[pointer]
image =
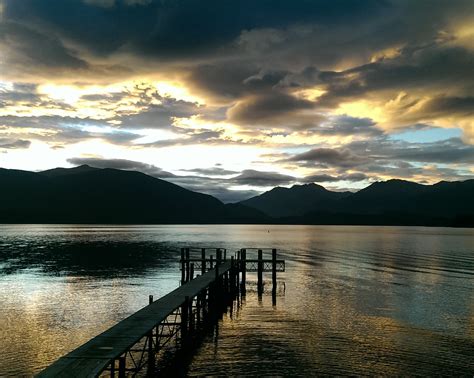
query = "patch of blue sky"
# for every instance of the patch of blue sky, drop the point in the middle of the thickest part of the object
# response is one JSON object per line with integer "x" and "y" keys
{"x": 427, "y": 135}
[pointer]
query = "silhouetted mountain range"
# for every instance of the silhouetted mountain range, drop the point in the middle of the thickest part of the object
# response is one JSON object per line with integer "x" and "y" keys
{"x": 294, "y": 201}
{"x": 91, "y": 195}
{"x": 393, "y": 202}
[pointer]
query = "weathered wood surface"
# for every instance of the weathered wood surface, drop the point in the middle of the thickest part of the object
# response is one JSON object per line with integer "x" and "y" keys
{"x": 94, "y": 356}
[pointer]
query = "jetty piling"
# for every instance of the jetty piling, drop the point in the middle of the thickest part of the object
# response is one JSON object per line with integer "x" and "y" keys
{"x": 260, "y": 272}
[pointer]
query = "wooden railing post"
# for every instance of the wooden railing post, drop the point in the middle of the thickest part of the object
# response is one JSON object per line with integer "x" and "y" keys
{"x": 183, "y": 267}
{"x": 244, "y": 270}
{"x": 203, "y": 260}
{"x": 184, "y": 320}
{"x": 232, "y": 276}
{"x": 260, "y": 272}
{"x": 187, "y": 264}
{"x": 274, "y": 269}
{"x": 151, "y": 351}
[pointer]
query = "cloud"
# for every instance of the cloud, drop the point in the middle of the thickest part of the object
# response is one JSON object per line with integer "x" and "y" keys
{"x": 30, "y": 50}
{"x": 267, "y": 108}
{"x": 257, "y": 178}
{"x": 217, "y": 187}
{"x": 346, "y": 125}
{"x": 213, "y": 171}
{"x": 334, "y": 78}
{"x": 450, "y": 151}
{"x": 329, "y": 157}
{"x": 125, "y": 164}
{"x": 170, "y": 28}
{"x": 353, "y": 177}
{"x": 8, "y": 143}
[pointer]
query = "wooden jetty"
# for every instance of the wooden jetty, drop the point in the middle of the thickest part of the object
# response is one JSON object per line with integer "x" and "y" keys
{"x": 133, "y": 345}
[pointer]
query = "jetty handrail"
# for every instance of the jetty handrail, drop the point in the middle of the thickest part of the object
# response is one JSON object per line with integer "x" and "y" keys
{"x": 91, "y": 358}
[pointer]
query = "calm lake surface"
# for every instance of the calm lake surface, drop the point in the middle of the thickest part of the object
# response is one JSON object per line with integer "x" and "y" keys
{"x": 354, "y": 300}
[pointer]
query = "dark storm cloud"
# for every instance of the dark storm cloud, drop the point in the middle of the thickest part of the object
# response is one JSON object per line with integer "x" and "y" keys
{"x": 31, "y": 47}
{"x": 8, "y": 143}
{"x": 450, "y": 106}
{"x": 267, "y": 107}
{"x": 234, "y": 79}
{"x": 433, "y": 67}
{"x": 175, "y": 28}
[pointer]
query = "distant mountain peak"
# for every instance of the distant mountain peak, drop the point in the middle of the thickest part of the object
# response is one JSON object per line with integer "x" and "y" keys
{"x": 297, "y": 200}
{"x": 310, "y": 185}
{"x": 68, "y": 171}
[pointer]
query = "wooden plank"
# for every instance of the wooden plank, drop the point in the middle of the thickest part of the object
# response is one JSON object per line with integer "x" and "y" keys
{"x": 92, "y": 357}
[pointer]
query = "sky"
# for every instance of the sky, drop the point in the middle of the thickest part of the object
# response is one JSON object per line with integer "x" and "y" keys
{"x": 235, "y": 97}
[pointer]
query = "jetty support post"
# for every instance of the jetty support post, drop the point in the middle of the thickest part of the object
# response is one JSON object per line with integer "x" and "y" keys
{"x": 218, "y": 279}
{"x": 191, "y": 321}
{"x": 121, "y": 368}
{"x": 184, "y": 320}
{"x": 191, "y": 271}
{"x": 243, "y": 267}
{"x": 187, "y": 264}
{"x": 232, "y": 277}
{"x": 260, "y": 272}
{"x": 274, "y": 269}
{"x": 151, "y": 350}
{"x": 183, "y": 268}
{"x": 198, "y": 309}
{"x": 203, "y": 260}
{"x": 218, "y": 256}
{"x": 274, "y": 276}
{"x": 226, "y": 284}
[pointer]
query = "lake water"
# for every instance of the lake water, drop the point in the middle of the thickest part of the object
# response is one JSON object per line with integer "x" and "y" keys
{"x": 353, "y": 300}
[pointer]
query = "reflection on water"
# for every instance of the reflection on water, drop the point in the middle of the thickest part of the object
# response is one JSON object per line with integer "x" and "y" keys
{"x": 361, "y": 300}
